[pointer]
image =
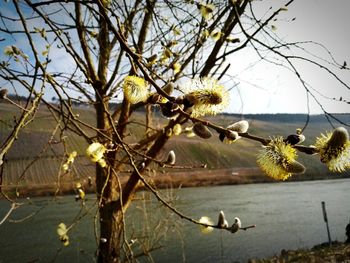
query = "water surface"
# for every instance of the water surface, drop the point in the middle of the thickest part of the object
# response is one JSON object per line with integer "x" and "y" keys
{"x": 287, "y": 215}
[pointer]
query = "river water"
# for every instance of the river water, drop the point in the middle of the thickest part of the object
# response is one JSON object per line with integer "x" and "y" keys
{"x": 287, "y": 216}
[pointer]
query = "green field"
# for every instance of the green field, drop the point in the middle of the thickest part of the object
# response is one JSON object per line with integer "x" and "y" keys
{"x": 34, "y": 163}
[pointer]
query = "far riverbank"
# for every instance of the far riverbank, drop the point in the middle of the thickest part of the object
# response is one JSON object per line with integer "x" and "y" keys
{"x": 165, "y": 180}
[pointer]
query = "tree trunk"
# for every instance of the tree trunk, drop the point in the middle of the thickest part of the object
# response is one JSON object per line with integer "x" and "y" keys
{"x": 107, "y": 190}
{"x": 111, "y": 230}
{"x": 114, "y": 204}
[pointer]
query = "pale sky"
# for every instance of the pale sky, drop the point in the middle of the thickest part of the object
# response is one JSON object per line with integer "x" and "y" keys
{"x": 265, "y": 88}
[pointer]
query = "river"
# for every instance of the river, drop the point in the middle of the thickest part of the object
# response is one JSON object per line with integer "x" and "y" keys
{"x": 287, "y": 216}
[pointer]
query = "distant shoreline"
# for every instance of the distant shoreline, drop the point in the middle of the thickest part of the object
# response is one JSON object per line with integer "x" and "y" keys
{"x": 166, "y": 180}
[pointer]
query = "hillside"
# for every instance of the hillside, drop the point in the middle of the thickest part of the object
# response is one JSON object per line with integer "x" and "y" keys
{"x": 33, "y": 163}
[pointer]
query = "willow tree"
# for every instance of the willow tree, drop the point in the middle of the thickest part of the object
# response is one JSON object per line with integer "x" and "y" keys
{"x": 145, "y": 54}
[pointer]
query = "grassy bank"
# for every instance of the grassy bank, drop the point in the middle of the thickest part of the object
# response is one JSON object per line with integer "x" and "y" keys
{"x": 33, "y": 165}
{"x": 338, "y": 252}
{"x": 164, "y": 180}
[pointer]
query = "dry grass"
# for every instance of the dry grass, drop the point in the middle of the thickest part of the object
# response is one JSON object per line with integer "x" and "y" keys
{"x": 220, "y": 159}
{"x": 338, "y": 252}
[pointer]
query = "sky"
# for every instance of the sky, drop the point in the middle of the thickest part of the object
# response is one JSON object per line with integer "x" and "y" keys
{"x": 266, "y": 88}
{"x": 261, "y": 87}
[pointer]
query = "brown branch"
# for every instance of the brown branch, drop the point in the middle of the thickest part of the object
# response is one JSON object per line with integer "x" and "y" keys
{"x": 125, "y": 108}
{"x": 83, "y": 44}
{"x": 296, "y": 72}
{"x": 138, "y": 176}
{"x": 13, "y": 207}
{"x": 104, "y": 52}
{"x": 14, "y": 134}
{"x": 200, "y": 41}
{"x": 230, "y": 23}
{"x": 150, "y": 4}
{"x": 68, "y": 47}
{"x": 249, "y": 37}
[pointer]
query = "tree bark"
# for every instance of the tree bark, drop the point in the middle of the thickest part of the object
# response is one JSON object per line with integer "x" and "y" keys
{"x": 107, "y": 189}
{"x": 111, "y": 231}
{"x": 114, "y": 204}
{"x": 110, "y": 216}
